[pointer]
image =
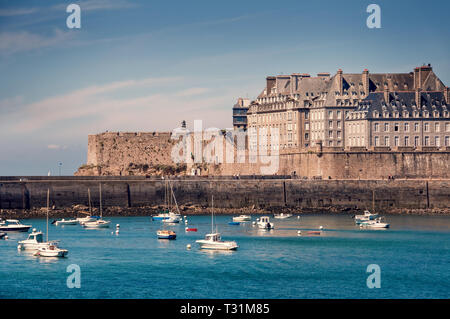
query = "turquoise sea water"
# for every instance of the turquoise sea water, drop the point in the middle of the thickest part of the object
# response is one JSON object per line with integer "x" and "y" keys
{"x": 414, "y": 257}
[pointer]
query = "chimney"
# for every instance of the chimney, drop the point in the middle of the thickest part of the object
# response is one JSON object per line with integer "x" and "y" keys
{"x": 447, "y": 95}
{"x": 340, "y": 81}
{"x": 365, "y": 81}
{"x": 386, "y": 94}
{"x": 270, "y": 80}
{"x": 417, "y": 80}
{"x": 418, "y": 97}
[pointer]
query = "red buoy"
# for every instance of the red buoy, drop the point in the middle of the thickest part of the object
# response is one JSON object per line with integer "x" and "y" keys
{"x": 191, "y": 229}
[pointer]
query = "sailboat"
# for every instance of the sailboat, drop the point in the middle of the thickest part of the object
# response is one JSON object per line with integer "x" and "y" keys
{"x": 35, "y": 241}
{"x": 89, "y": 217}
{"x": 99, "y": 223}
{"x": 367, "y": 216}
{"x": 173, "y": 218}
{"x": 167, "y": 215}
{"x": 213, "y": 239}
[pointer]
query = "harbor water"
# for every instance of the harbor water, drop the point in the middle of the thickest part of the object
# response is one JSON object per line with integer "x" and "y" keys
{"x": 413, "y": 256}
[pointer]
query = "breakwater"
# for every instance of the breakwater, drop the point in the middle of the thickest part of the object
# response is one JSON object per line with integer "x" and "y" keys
{"x": 257, "y": 192}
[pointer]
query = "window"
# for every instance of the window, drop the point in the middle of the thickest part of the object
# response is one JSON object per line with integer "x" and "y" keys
{"x": 338, "y": 124}
{"x": 447, "y": 141}
{"x": 396, "y": 141}
{"x": 330, "y": 114}
{"x": 437, "y": 141}
{"x": 416, "y": 127}
{"x": 330, "y": 124}
{"x": 437, "y": 127}
{"x": 386, "y": 127}
{"x": 377, "y": 127}
{"x": 338, "y": 134}
{"x": 426, "y": 127}
{"x": 427, "y": 141}
{"x": 416, "y": 141}
{"x": 406, "y": 140}
{"x": 447, "y": 127}
{"x": 396, "y": 127}
{"x": 377, "y": 142}
{"x": 386, "y": 140}
{"x": 330, "y": 134}
{"x": 406, "y": 127}
{"x": 338, "y": 114}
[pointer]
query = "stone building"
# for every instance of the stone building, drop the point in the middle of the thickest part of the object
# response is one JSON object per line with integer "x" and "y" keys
{"x": 310, "y": 110}
{"x": 240, "y": 113}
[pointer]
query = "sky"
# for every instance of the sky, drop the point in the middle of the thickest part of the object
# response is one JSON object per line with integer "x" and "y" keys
{"x": 148, "y": 65}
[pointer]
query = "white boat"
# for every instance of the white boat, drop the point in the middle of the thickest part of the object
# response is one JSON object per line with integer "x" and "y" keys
{"x": 66, "y": 222}
{"x": 166, "y": 234}
{"x": 242, "y": 218}
{"x": 377, "y": 223}
{"x": 282, "y": 216}
{"x": 264, "y": 223}
{"x": 367, "y": 216}
{"x": 89, "y": 218}
{"x": 99, "y": 223}
{"x": 51, "y": 251}
{"x": 35, "y": 241}
{"x": 213, "y": 240}
{"x": 13, "y": 225}
{"x": 172, "y": 219}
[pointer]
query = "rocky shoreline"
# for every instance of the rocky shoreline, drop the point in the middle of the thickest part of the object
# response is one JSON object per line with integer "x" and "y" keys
{"x": 80, "y": 210}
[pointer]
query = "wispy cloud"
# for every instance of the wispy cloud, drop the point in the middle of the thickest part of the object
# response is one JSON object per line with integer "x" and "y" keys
{"x": 104, "y": 107}
{"x": 14, "y": 42}
{"x": 93, "y": 5}
{"x": 17, "y": 12}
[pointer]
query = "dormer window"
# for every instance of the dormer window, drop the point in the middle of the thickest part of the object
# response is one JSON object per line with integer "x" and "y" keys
{"x": 376, "y": 114}
{"x": 436, "y": 113}
{"x": 426, "y": 114}
{"x": 385, "y": 114}
{"x": 405, "y": 114}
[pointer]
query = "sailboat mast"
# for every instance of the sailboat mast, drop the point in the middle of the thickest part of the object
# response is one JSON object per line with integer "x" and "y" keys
{"x": 101, "y": 211}
{"x": 212, "y": 214}
{"x": 89, "y": 198}
{"x": 48, "y": 204}
{"x": 373, "y": 201}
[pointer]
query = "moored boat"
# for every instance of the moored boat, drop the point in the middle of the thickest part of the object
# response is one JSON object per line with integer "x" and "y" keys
{"x": 242, "y": 218}
{"x": 51, "y": 251}
{"x": 282, "y": 216}
{"x": 264, "y": 223}
{"x": 166, "y": 234}
{"x": 367, "y": 216}
{"x": 377, "y": 223}
{"x": 66, "y": 222}
{"x": 34, "y": 241}
{"x": 213, "y": 240}
{"x": 99, "y": 223}
{"x": 13, "y": 225}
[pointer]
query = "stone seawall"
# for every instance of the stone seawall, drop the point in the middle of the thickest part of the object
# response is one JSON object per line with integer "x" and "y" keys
{"x": 262, "y": 193}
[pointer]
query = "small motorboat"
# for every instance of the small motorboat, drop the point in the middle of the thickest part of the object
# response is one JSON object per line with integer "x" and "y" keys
{"x": 35, "y": 241}
{"x": 314, "y": 232}
{"x": 282, "y": 216}
{"x": 13, "y": 225}
{"x": 51, "y": 251}
{"x": 100, "y": 223}
{"x": 264, "y": 223}
{"x": 2, "y": 235}
{"x": 377, "y": 223}
{"x": 66, "y": 222}
{"x": 166, "y": 234}
{"x": 234, "y": 223}
{"x": 191, "y": 229}
{"x": 368, "y": 216}
{"x": 161, "y": 216}
{"x": 242, "y": 218}
{"x": 173, "y": 219}
{"x": 214, "y": 241}
{"x": 87, "y": 219}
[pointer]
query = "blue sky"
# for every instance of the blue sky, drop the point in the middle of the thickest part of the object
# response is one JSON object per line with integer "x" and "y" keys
{"x": 148, "y": 65}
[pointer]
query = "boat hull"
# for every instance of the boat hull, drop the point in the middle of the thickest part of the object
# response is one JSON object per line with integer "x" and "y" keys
{"x": 15, "y": 228}
{"x": 204, "y": 244}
